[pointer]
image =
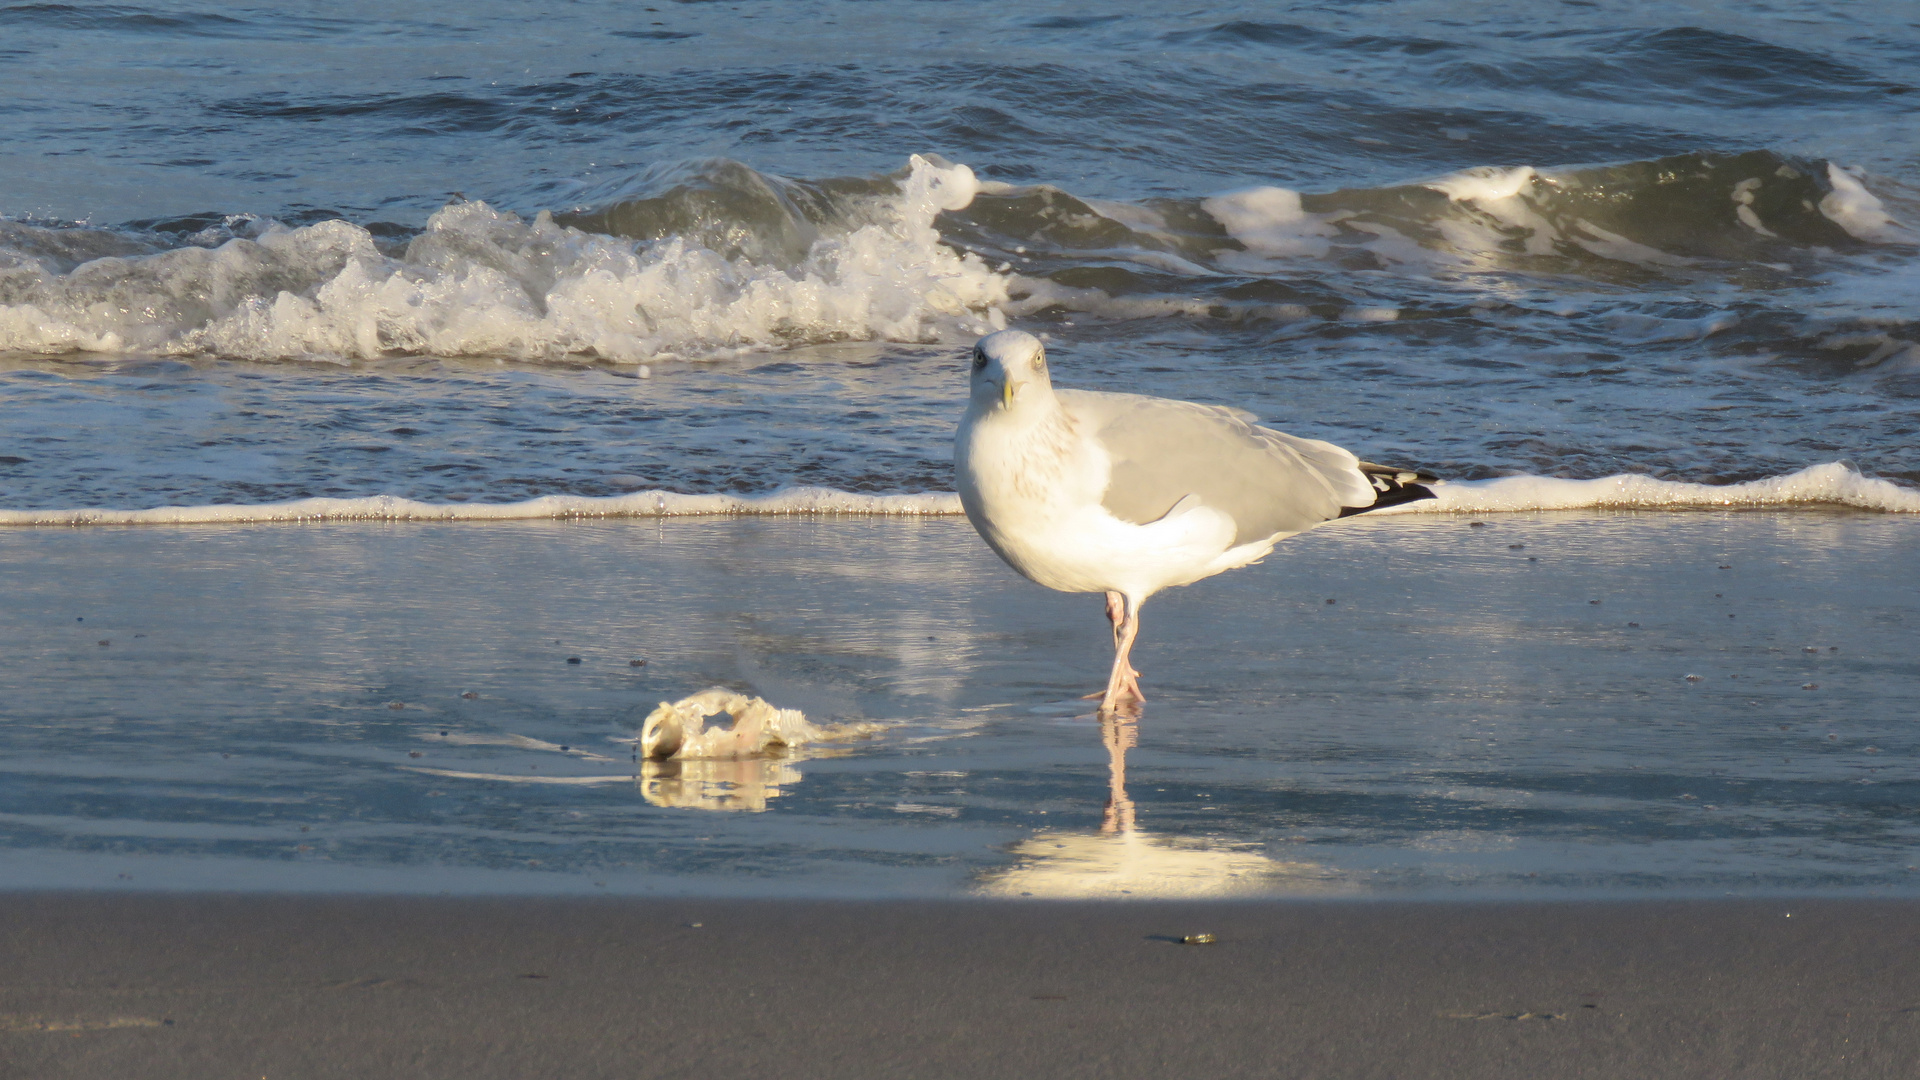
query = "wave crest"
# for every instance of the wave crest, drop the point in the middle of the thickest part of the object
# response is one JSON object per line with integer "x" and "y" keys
{"x": 482, "y": 281}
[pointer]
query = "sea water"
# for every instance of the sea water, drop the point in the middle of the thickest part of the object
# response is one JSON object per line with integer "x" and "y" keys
{"x": 404, "y": 263}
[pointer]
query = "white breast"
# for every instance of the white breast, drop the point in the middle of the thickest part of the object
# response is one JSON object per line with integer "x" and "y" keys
{"x": 1032, "y": 487}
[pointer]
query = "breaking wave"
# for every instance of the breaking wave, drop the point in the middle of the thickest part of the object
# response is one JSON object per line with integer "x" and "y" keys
{"x": 484, "y": 281}
{"x": 711, "y": 258}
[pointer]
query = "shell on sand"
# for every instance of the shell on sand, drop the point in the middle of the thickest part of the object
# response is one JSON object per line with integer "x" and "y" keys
{"x": 719, "y": 724}
{"x": 719, "y": 750}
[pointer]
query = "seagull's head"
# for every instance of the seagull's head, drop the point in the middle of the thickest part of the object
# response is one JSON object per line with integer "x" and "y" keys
{"x": 1009, "y": 366}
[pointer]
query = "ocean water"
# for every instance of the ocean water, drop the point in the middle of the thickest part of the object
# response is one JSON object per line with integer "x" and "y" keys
{"x": 377, "y": 263}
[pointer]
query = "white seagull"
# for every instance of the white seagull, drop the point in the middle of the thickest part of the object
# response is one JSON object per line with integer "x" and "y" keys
{"x": 1084, "y": 491}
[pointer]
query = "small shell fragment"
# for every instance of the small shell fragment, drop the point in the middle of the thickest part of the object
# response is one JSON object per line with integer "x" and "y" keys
{"x": 1197, "y": 939}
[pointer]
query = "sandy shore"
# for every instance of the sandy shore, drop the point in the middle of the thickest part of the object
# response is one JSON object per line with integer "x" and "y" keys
{"x": 197, "y": 986}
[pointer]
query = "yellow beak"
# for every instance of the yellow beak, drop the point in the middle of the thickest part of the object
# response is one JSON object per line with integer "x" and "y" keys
{"x": 1006, "y": 392}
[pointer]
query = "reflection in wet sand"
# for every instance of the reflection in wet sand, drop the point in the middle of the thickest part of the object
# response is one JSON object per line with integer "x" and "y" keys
{"x": 1124, "y": 860}
{"x": 734, "y": 784}
{"x": 714, "y": 750}
{"x": 721, "y": 750}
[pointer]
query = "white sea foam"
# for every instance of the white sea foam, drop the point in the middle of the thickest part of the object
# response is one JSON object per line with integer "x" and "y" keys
{"x": 1270, "y": 224}
{"x": 1852, "y": 207}
{"x": 799, "y": 500}
{"x": 1830, "y": 484}
{"x": 480, "y": 281}
{"x": 1491, "y": 210}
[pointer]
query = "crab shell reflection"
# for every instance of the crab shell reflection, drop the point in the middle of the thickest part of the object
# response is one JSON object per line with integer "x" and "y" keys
{"x": 721, "y": 750}
{"x": 741, "y": 784}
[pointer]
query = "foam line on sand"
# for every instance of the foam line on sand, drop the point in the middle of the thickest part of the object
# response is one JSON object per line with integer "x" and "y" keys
{"x": 1832, "y": 484}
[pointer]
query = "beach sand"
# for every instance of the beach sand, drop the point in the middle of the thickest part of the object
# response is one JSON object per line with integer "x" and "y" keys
{"x": 197, "y": 986}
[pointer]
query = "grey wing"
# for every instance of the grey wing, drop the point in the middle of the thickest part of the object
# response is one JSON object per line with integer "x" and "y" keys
{"x": 1163, "y": 450}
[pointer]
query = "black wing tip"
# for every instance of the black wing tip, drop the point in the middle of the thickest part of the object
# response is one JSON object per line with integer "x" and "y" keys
{"x": 1393, "y": 487}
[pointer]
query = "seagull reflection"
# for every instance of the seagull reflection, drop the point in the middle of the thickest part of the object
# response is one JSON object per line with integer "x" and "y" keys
{"x": 1123, "y": 860}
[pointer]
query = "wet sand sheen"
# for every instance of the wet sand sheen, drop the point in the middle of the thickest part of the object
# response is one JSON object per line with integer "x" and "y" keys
{"x": 205, "y": 985}
{"x": 1501, "y": 709}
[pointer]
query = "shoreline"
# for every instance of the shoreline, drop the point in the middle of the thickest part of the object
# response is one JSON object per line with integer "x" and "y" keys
{"x": 1817, "y": 487}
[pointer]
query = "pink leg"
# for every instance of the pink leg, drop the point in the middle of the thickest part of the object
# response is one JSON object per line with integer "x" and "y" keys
{"x": 1123, "y": 685}
{"x": 1129, "y": 686}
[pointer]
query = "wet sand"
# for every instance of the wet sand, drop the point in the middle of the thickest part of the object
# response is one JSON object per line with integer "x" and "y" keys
{"x": 197, "y": 986}
{"x": 1536, "y": 706}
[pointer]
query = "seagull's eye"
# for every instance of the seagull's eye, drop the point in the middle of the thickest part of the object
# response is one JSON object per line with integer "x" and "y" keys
{"x": 979, "y": 359}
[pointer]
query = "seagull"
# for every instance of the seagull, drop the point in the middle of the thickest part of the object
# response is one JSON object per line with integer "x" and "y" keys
{"x": 1086, "y": 491}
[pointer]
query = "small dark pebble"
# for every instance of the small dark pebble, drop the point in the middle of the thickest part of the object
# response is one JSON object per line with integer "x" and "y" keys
{"x": 415, "y": 753}
{"x": 1833, "y": 648}
{"x": 1593, "y": 601}
{"x": 1810, "y": 686}
{"x": 104, "y": 641}
{"x": 1329, "y": 601}
{"x": 1634, "y": 625}
{"x": 396, "y": 704}
{"x": 84, "y": 619}
{"x": 564, "y": 749}
{"x": 469, "y": 695}
{"x": 636, "y": 663}
{"x": 166, "y": 1023}
{"x": 1724, "y": 566}
{"x": 1729, "y": 616}
{"x": 1533, "y": 558}
{"x": 573, "y": 659}
{"x": 530, "y": 975}
{"x": 1515, "y": 547}
{"x": 443, "y": 734}
{"x": 1476, "y": 524}
{"x": 306, "y": 828}
{"x": 226, "y": 755}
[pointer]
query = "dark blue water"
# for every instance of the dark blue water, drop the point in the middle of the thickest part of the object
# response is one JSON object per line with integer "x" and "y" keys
{"x": 1563, "y": 239}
